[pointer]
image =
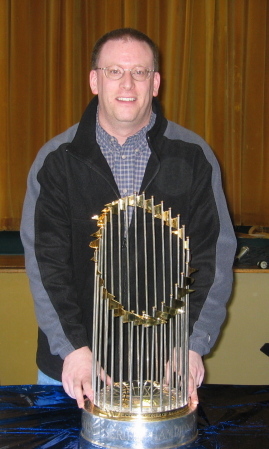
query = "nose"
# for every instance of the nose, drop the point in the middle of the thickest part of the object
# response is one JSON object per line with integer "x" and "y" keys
{"x": 127, "y": 81}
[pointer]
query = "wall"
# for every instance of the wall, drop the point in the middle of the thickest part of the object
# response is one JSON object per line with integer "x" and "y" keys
{"x": 236, "y": 359}
{"x": 18, "y": 330}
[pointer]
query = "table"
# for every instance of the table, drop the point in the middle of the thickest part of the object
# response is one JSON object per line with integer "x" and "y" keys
{"x": 44, "y": 417}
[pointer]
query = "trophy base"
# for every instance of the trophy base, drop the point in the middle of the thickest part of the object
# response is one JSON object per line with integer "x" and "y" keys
{"x": 134, "y": 430}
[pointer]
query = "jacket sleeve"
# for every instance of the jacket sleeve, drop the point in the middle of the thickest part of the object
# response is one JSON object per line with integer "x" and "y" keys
{"x": 47, "y": 317}
{"x": 214, "y": 254}
{"x": 214, "y": 244}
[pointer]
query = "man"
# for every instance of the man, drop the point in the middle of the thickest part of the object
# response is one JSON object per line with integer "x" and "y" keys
{"x": 122, "y": 145}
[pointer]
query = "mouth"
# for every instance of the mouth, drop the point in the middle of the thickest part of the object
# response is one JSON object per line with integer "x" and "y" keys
{"x": 127, "y": 99}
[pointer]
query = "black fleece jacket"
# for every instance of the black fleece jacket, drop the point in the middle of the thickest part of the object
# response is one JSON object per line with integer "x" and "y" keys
{"x": 70, "y": 182}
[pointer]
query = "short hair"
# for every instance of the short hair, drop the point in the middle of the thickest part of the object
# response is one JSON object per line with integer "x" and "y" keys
{"x": 124, "y": 34}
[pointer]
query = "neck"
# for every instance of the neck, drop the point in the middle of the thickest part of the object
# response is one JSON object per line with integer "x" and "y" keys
{"x": 123, "y": 133}
{"x": 122, "y": 130}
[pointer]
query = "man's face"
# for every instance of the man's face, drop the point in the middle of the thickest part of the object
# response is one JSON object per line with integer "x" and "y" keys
{"x": 124, "y": 105}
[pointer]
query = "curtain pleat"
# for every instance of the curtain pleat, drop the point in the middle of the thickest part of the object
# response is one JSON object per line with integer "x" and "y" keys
{"x": 4, "y": 114}
{"x": 214, "y": 71}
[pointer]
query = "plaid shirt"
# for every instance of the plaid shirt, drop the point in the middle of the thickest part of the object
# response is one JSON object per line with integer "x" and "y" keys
{"x": 127, "y": 162}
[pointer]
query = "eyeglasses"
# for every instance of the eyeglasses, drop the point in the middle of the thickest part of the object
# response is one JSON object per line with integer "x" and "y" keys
{"x": 115, "y": 72}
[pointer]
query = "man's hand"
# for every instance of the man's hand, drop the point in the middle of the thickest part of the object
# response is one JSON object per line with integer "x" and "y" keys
{"x": 196, "y": 375}
{"x": 77, "y": 375}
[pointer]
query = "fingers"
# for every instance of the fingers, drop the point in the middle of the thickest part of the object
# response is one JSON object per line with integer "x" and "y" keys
{"x": 105, "y": 378}
{"x": 196, "y": 368}
{"x": 88, "y": 391}
{"x": 196, "y": 375}
{"x": 167, "y": 373}
{"x": 76, "y": 388}
{"x": 76, "y": 375}
{"x": 80, "y": 388}
{"x": 193, "y": 395}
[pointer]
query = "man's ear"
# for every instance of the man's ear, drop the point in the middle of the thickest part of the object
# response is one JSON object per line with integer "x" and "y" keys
{"x": 93, "y": 82}
{"x": 156, "y": 83}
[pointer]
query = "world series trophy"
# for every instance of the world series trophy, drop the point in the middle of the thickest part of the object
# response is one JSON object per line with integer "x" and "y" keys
{"x": 140, "y": 330}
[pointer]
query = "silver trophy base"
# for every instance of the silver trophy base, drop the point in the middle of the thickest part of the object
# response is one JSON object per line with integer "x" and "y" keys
{"x": 135, "y": 430}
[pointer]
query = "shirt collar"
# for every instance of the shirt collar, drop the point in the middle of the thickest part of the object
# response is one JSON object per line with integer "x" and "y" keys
{"x": 139, "y": 138}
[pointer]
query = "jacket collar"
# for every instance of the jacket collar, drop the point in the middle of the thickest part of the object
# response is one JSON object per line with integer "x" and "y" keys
{"x": 85, "y": 136}
{"x": 85, "y": 147}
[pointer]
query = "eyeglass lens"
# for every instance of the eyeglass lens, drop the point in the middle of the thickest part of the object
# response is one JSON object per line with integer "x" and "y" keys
{"x": 116, "y": 72}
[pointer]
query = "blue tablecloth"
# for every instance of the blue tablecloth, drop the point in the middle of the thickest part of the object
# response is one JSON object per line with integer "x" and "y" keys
{"x": 45, "y": 417}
